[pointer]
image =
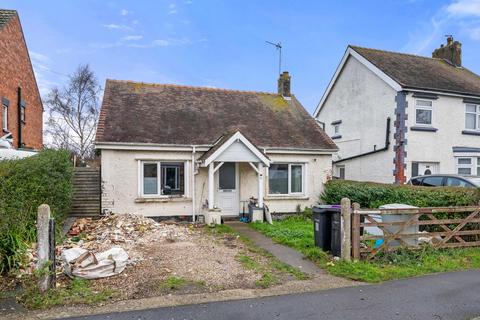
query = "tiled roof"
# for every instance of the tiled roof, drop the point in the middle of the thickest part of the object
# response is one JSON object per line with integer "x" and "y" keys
{"x": 6, "y": 16}
{"x": 417, "y": 72}
{"x": 134, "y": 112}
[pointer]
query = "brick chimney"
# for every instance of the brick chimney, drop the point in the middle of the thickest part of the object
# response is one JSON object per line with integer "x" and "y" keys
{"x": 284, "y": 84}
{"x": 452, "y": 52}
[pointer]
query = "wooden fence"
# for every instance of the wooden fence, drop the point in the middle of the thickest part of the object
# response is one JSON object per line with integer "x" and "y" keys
{"x": 87, "y": 192}
{"x": 449, "y": 227}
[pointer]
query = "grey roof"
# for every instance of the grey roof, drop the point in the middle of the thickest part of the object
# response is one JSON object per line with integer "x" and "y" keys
{"x": 417, "y": 72}
{"x": 6, "y": 16}
{"x": 134, "y": 112}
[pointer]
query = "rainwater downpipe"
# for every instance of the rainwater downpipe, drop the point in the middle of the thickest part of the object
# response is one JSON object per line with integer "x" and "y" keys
{"x": 194, "y": 172}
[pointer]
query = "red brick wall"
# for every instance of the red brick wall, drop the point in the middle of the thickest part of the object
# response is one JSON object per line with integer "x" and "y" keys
{"x": 16, "y": 71}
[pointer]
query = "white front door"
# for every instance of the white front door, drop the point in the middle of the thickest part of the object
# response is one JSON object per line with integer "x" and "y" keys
{"x": 426, "y": 168}
{"x": 227, "y": 191}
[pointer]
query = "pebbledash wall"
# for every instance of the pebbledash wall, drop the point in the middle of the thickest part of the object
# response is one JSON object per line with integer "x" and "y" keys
{"x": 120, "y": 181}
{"x": 362, "y": 102}
{"x": 16, "y": 71}
{"x": 448, "y": 118}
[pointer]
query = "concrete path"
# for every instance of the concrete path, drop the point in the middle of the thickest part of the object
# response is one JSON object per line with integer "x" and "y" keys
{"x": 442, "y": 296}
{"x": 281, "y": 252}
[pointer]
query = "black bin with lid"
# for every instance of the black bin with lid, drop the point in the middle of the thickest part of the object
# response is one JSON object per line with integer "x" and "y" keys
{"x": 327, "y": 228}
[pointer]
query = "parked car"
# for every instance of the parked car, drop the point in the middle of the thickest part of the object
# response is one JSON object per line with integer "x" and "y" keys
{"x": 445, "y": 180}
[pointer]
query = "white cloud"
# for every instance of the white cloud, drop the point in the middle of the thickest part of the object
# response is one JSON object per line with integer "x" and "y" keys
{"x": 172, "y": 8}
{"x": 132, "y": 38}
{"x": 38, "y": 56}
{"x": 113, "y": 26}
{"x": 163, "y": 43}
{"x": 124, "y": 12}
{"x": 464, "y": 8}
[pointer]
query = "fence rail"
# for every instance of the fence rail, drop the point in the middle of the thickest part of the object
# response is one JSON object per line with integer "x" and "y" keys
{"x": 441, "y": 227}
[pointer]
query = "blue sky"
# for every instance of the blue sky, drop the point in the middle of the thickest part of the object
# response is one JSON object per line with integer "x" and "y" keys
{"x": 222, "y": 43}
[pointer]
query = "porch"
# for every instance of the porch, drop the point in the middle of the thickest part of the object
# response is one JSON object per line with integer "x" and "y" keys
{"x": 235, "y": 167}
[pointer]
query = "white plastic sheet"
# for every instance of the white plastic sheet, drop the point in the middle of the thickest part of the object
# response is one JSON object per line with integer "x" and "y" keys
{"x": 88, "y": 265}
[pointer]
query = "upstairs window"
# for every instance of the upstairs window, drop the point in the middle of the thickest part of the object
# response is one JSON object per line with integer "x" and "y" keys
{"x": 284, "y": 178}
{"x": 472, "y": 116}
{"x": 163, "y": 178}
{"x": 4, "y": 117}
{"x": 423, "y": 112}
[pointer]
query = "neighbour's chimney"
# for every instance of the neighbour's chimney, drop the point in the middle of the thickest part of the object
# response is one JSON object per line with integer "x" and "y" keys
{"x": 284, "y": 84}
{"x": 452, "y": 52}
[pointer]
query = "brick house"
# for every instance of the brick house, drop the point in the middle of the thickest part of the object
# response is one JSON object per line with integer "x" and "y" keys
{"x": 21, "y": 113}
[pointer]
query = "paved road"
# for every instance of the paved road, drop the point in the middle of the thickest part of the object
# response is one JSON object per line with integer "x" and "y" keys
{"x": 440, "y": 297}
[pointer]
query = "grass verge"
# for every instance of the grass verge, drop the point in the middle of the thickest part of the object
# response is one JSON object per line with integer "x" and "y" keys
{"x": 297, "y": 232}
{"x": 269, "y": 271}
{"x": 177, "y": 283}
{"x": 77, "y": 292}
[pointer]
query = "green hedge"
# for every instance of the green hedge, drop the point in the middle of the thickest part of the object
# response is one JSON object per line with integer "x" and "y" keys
{"x": 373, "y": 195}
{"x": 24, "y": 185}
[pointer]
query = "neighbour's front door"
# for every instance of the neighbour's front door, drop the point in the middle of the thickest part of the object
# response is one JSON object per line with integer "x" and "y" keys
{"x": 227, "y": 195}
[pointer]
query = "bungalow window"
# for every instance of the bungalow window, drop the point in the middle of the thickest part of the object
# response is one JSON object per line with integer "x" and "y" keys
{"x": 423, "y": 112}
{"x": 4, "y": 117}
{"x": 468, "y": 166}
{"x": 284, "y": 178}
{"x": 472, "y": 117}
{"x": 163, "y": 178}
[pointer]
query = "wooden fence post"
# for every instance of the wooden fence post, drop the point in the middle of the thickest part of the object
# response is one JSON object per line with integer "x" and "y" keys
{"x": 346, "y": 241}
{"x": 356, "y": 232}
{"x": 43, "y": 224}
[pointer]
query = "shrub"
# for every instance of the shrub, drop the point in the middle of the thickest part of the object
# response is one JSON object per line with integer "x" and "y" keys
{"x": 373, "y": 195}
{"x": 24, "y": 185}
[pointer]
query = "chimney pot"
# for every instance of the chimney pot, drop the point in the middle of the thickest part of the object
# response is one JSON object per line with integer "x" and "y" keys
{"x": 284, "y": 84}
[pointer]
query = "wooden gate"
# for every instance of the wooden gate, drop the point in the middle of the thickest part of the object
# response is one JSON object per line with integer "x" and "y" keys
{"x": 449, "y": 227}
{"x": 86, "y": 192}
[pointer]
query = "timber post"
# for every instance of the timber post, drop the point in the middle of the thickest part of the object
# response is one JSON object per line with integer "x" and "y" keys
{"x": 355, "y": 232}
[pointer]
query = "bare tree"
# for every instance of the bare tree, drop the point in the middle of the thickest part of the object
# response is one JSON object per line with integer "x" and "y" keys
{"x": 73, "y": 113}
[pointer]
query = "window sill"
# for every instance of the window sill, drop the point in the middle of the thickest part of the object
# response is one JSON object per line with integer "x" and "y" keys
{"x": 426, "y": 129}
{"x": 471, "y": 132}
{"x": 286, "y": 197}
{"x": 338, "y": 136}
{"x": 162, "y": 199}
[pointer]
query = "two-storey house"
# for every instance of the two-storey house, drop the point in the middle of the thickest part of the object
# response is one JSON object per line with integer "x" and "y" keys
{"x": 395, "y": 115}
{"x": 21, "y": 113}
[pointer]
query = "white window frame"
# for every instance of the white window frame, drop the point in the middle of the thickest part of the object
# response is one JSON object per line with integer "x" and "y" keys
{"x": 474, "y": 165}
{"x": 289, "y": 176}
{"x": 477, "y": 116}
{"x": 160, "y": 179}
{"x": 336, "y": 129}
{"x": 424, "y": 108}
{"x": 4, "y": 117}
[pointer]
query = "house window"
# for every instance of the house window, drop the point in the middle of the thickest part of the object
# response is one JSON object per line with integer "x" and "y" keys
{"x": 423, "y": 112}
{"x": 468, "y": 166}
{"x": 472, "y": 117}
{"x": 5, "y": 118}
{"x": 284, "y": 178}
{"x": 340, "y": 172}
{"x": 163, "y": 178}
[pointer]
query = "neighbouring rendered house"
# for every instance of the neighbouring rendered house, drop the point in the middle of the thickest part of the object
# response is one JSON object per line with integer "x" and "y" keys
{"x": 395, "y": 115}
{"x": 169, "y": 150}
{"x": 21, "y": 116}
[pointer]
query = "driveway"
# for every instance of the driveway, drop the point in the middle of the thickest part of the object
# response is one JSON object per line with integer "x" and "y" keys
{"x": 444, "y": 296}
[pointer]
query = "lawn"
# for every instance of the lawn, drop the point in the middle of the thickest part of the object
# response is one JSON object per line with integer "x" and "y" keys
{"x": 297, "y": 232}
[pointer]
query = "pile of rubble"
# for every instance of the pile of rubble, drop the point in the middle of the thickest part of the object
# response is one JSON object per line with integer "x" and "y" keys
{"x": 127, "y": 231}
{"x": 122, "y": 229}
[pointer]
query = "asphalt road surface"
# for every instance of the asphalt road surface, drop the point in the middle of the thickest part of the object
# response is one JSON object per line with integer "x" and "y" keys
{"x": 444, "y": 296}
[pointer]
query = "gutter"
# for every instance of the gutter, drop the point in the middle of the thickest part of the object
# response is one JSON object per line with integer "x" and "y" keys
{"x": 385, "y": 148}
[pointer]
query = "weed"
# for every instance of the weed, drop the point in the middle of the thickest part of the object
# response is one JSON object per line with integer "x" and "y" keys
{"x": 77, "y": 292}
{"x": 177, "y": 283}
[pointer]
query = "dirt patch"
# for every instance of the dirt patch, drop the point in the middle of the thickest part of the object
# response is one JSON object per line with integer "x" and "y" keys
{"x": 171, "y": 258}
